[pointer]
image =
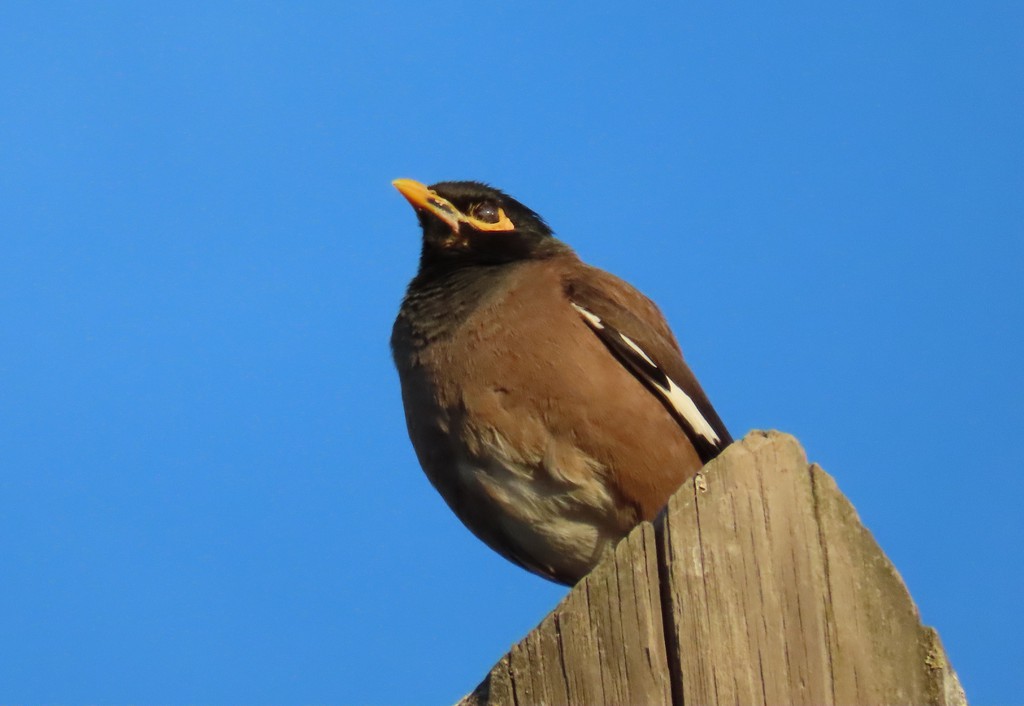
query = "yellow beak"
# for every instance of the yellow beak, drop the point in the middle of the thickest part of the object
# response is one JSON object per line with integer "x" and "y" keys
{"x": 422, "y": 198}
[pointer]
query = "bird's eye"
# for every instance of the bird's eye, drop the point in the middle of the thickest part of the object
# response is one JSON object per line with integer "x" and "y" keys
{"x": 486, "y": 212}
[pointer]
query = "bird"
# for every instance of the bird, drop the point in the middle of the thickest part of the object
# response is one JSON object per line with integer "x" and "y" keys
{"x": 547, "y": 400}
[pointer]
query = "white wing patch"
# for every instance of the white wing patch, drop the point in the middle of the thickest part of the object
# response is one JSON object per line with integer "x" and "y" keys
{"x": 673, "y": 394}
{"x": 591, "y": 319}
{"x": 685, "y": 406}
{"x": 640, "y": 352}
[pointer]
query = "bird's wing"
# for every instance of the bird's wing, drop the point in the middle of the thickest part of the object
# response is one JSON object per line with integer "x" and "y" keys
{"x": 635, "y": 332}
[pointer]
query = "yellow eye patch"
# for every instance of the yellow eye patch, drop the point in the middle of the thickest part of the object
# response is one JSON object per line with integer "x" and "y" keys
{"x": 503, "y": 222}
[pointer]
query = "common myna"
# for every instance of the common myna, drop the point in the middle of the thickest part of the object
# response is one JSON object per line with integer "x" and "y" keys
{"x": 547, "y": 400}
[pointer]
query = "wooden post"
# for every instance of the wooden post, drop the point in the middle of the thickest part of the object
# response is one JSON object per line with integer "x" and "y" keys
{"x": 757, "y": 584}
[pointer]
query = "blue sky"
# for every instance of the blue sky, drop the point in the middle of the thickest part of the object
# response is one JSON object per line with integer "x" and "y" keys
{"x": 206, "y": 490}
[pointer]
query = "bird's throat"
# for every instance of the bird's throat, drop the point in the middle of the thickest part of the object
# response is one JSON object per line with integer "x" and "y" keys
{"x": 440, "y": 300}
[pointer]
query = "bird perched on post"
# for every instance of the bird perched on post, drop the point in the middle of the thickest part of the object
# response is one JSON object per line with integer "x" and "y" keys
{"x": 547, "y": 400}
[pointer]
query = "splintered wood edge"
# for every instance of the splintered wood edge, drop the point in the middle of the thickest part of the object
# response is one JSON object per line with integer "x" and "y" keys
{"x": 868, "y": 590}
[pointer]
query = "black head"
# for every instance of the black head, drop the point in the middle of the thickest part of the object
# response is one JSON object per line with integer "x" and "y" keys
{"x": 466, "y": 222}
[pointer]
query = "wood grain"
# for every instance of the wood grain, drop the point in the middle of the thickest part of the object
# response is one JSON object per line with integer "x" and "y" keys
{"x": 757, "y": 584}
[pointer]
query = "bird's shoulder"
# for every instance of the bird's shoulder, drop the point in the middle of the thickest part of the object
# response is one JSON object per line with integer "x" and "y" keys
{"x": 636, "y": 332}
{"x": 623, "y": 307}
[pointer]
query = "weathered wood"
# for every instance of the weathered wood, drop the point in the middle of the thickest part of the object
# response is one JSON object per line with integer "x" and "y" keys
{"x": 758, "y": 584}
{"x": 879, "y": 650}
{"x": 746, "y": 577}
{"x": 603, "y": 644}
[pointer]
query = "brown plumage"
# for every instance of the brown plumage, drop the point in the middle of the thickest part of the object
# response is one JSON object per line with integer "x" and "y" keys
{"x": 547, "y": 400}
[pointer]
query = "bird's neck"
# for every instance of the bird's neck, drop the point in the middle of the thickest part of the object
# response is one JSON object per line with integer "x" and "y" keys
{"x": 439, "y": 300}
